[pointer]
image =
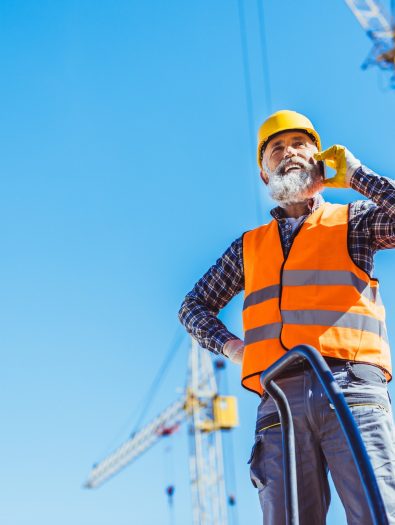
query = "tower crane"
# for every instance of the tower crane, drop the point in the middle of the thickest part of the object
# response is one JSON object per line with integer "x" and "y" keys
{"x": 207, "y": 413}
{"x": 380, "y": 29}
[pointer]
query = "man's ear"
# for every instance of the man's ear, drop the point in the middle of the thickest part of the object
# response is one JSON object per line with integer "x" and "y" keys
{"x": 264, "y": 177}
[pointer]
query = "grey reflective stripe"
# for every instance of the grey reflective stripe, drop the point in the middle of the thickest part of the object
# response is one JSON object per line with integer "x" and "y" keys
{"x": 333, "y": 318}
{"x": 314, "y": 277}
{"x": 328, "y": 277}
{"x": 261, "y": 333}
{"x": 264, "y": 294}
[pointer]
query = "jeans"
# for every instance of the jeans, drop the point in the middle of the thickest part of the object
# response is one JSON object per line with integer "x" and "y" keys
{"x": 321, "y": 445}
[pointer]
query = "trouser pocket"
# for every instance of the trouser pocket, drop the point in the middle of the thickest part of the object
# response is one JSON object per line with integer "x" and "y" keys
{"x": 364, "y": 373}
{"x": 265, "y": 426}
{"x": 257, "y": 464}
{"x": 266, "y": 422}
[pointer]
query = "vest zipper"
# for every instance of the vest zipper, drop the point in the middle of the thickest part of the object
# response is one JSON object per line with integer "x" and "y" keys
{"x": 282, "y": 269}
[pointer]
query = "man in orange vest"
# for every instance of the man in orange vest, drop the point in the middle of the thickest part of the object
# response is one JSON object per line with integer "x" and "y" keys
{"x": 307, "y": 278}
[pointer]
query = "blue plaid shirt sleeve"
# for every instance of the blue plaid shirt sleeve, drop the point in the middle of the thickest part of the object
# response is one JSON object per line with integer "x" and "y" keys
{"x": 375, "y": 218}
{"x": 198, "y": 312}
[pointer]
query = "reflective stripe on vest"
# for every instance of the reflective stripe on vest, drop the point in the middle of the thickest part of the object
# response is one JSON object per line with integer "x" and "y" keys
{"x": 312, "y": 277}
{"x": 316, "y": 296}
{"x": 319, "y": 318}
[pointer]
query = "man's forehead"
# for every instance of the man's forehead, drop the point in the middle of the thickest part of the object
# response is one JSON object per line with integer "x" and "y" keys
{"x": 288, "y": 135}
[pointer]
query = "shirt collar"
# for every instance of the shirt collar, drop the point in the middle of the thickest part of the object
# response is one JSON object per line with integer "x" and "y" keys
{"x": 314, "y": 203}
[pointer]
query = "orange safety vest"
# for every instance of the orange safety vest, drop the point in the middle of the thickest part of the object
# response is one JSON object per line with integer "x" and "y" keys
{"x": 316, "y": 295}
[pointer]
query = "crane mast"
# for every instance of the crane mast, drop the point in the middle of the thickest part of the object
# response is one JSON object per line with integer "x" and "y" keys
{"x": 207, "y": 413}
{"x": 205, "y": 460}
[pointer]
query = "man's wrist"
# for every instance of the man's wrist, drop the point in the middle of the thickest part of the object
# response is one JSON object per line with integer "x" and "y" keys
{"x": 234, "y": 349}
{"x": 231, "y": 344}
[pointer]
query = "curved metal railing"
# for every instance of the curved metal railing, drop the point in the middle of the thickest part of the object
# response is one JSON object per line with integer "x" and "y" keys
{"x": 347, "y": 424}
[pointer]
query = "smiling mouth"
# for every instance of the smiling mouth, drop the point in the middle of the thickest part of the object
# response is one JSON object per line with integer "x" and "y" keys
{"x": 292, "y": 166}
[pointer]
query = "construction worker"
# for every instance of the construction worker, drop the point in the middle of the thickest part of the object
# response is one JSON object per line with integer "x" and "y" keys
{"x": 307, "y": 278}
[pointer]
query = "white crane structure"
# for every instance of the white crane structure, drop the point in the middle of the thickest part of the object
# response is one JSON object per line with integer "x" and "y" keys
{"x": 136, "y": 444}
{"x": 207, "y": 414}
{"x": 379, "y": 27}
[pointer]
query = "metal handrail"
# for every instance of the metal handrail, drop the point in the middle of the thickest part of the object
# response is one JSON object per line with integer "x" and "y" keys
{"x": 347, "y": 423}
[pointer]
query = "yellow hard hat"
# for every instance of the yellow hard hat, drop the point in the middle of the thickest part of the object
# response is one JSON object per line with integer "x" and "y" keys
{"x": 284, "y": 120}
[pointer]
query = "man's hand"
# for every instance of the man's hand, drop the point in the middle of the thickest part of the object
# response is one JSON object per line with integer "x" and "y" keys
{"x": 343, "y": 161}
{"x": 234, "y": 350}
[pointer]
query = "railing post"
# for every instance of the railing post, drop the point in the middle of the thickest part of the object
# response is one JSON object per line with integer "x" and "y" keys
{"x": 289, "y": 460}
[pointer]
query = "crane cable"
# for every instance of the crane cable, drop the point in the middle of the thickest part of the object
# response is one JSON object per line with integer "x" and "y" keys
{"x": 175, "y": 344}
{"x": 264, "y": 57}
{"x": 169, "y": 478}
{"x": 145, "y": 403}
{"x": 248, "y": 96}
{"x": 247, "y": 83}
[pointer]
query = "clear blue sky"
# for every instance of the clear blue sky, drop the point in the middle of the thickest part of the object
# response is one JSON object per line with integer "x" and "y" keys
{"x": 126, "y": 170}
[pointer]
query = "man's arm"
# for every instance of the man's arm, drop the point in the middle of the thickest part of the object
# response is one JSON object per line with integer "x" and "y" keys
{"x": 378, "y": 219}
{"x": 198, "y": 312}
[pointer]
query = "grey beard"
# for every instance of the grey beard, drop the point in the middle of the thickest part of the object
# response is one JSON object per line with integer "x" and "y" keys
{"x": 294, "y": 187}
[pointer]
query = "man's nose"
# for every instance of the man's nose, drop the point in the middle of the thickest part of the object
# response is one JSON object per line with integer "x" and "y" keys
{"x": 290, "y": 151}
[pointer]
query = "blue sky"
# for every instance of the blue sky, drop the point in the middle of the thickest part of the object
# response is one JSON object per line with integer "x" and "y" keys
{"x": 126, "y": 170}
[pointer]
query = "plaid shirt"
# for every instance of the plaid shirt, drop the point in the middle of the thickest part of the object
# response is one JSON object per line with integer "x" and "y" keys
{"x": 371, "y": 228}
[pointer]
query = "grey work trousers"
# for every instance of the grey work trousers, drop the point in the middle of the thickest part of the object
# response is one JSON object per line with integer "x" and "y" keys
{"x": 321, "y": 445}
